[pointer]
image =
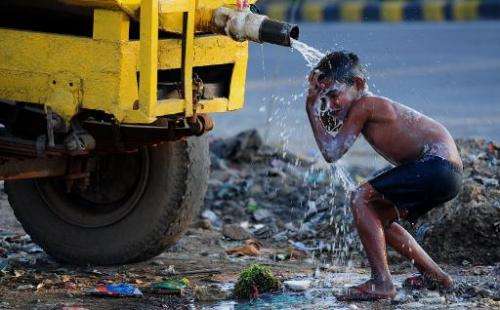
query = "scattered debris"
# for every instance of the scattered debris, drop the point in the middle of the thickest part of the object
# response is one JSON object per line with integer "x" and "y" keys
{"x": 255, "y": 280}
{"x": 280, "y": 195}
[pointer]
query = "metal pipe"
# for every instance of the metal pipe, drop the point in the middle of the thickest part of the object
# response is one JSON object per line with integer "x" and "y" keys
{"x": 242, "y": 25}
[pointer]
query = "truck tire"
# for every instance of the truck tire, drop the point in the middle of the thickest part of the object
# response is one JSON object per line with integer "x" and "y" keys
{"x": 135, "y": 206}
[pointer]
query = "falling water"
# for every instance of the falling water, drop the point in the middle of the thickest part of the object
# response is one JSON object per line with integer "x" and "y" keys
{"x": 344, "y": 178}
{"x": 311, "y": 55}
{"x": 344, "y": 239}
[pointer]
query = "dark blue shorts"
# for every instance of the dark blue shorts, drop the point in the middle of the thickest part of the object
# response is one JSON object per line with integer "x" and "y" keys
{"x": 417, "y": 187}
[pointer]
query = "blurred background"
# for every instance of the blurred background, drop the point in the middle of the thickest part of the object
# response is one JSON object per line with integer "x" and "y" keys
{"x": 441, "y": 58}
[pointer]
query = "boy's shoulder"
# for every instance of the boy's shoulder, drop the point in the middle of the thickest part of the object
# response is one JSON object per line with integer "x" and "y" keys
{"x": 373, "y": 99}
{"x": 375, "y": 106}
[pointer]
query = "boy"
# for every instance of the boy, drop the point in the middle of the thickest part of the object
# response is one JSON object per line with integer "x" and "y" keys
{"x": 427, "y": 169}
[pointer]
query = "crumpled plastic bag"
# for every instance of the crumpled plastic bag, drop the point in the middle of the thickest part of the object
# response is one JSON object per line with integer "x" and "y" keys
{"x": 116, "y": 290}
{"x": 251, "y": 248}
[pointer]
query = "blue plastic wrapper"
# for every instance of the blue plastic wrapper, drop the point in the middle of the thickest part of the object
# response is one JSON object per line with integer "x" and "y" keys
{"x": 116, "y": 290}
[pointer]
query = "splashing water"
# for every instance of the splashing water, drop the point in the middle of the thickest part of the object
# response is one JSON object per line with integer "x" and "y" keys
{"x": 310, "y": 54}
{"x": 344, "y": 178}
{"x": 342, "y": 242}
{"x": 344, "y": 239}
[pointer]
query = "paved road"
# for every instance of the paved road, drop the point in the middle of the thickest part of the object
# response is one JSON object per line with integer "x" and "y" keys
{"x": 450, "y": 71}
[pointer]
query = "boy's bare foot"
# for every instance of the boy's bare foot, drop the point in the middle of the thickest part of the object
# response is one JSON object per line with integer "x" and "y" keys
{"x": 419, "y": 281}
{"x": 369, "y": 291}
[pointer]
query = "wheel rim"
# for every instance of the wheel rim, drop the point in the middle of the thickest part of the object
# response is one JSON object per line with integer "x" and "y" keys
{"x": 116, "y": 184}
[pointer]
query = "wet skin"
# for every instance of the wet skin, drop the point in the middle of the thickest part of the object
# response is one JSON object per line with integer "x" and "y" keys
{"x": 400, "y": 135}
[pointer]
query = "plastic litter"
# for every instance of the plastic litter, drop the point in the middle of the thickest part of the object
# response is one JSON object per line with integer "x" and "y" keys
{"x": 251, "y": 248}
{"x": 116, "y": 290}
{"x": 170, "y": 286}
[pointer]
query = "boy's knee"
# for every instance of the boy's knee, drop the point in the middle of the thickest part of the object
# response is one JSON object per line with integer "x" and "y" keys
{"x": 360, "y": 197}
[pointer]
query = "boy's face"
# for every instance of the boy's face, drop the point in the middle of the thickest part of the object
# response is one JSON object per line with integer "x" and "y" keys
{"x": 339, "y": 94}
{"x": 334, "y": 94}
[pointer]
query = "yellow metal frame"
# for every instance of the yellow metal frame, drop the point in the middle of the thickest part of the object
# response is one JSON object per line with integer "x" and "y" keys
{"x": 67, "y": 73}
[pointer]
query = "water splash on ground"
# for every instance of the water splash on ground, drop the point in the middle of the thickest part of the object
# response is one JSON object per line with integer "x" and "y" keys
{"x": 344, "y": 239}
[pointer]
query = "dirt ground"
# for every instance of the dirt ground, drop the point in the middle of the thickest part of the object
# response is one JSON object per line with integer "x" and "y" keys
{"x": 288, "y": 241}
{"x": 40, "y": 283}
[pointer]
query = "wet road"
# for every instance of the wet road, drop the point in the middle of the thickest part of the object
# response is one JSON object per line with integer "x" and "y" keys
{"x": 449, "y": 71}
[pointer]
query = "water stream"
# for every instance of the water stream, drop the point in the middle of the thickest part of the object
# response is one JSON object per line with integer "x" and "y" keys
{"x": 310, "y": 54}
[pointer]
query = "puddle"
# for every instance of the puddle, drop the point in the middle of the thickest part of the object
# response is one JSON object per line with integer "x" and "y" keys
{"x": 315, "y": 298}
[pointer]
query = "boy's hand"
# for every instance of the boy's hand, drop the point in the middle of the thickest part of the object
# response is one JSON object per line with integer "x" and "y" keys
{"x": 317, "y": 84}
{"x": 314, "y": 87}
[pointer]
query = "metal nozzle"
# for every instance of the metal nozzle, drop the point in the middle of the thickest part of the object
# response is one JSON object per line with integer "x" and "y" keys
{"x": 276, "y": 32}
{"x": 245, "y": 25}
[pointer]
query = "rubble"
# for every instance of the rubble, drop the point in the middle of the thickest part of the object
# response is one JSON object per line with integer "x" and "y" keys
{"x": 283, "y": 197}
{"x": 286, "y": 198}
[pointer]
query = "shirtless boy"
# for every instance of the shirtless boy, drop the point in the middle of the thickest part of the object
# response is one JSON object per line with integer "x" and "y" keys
{"x": 427, "y": 170}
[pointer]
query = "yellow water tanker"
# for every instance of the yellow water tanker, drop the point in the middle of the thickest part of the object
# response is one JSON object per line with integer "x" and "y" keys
{"x": 103, "y": 109}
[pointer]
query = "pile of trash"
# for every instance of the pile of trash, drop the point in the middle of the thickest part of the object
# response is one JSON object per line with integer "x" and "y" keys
{"x": 263, "y": 192}
{"x": 467, "y": 230}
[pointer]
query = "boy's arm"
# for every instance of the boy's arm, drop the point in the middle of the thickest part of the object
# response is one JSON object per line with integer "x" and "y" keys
{"x": 333, "y": 148}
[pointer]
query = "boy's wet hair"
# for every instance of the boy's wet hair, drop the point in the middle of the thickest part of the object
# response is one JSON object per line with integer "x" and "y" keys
{"x": 340, "y": 66}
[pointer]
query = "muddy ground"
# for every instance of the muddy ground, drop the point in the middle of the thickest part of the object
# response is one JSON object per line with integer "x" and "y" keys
{"x": 296, "y": 214}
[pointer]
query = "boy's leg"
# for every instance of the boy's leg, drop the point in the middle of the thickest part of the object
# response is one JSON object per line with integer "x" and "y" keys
{"x": 371, "y": 231}
{"x": 399, "y": 239}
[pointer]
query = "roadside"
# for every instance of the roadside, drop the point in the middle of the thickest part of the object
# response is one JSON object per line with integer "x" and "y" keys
{"x": 278, "y": 209}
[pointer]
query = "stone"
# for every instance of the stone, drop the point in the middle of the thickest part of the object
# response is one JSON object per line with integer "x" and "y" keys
{"x": 235, "y": 232}
{"x": 297, "y": 285}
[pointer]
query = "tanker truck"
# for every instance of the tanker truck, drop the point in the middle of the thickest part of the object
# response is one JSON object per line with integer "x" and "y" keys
{"x": 104, "y": 109}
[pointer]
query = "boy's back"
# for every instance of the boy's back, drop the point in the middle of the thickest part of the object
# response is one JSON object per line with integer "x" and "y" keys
{"x": 401, "y": 134}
